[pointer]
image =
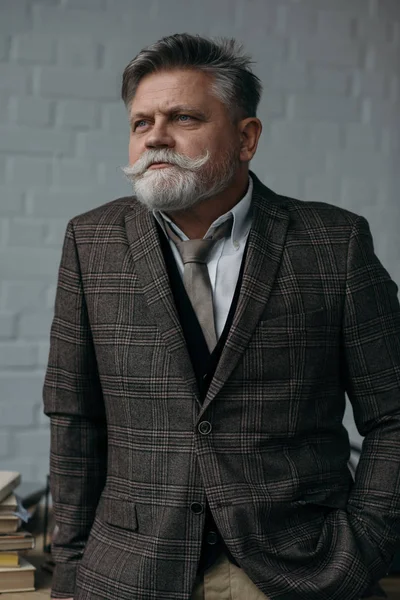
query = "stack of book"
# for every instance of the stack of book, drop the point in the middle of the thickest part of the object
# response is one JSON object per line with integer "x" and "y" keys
{"x": 16, "y": 573}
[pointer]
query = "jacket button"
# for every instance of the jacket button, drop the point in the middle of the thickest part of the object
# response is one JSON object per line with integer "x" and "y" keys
{"x": 212, "y": 538}
{"x": 196, "y": 508}
{"x": 204, "y": 427}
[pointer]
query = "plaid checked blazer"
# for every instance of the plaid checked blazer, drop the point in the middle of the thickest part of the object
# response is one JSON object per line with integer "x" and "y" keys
{"x": 317, "y": 315}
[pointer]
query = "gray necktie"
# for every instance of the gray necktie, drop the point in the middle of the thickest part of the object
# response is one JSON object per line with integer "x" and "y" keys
{"x": 194, "y": 254}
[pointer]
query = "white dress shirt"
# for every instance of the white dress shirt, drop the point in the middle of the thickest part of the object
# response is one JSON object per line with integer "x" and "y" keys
{"x": 226, "y": 256}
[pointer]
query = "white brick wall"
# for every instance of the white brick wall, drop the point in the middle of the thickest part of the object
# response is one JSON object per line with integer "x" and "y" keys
{"x": 331, "y": 133}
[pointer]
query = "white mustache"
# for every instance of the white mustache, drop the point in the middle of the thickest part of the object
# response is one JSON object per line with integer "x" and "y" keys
{"x": 164, "y": 156}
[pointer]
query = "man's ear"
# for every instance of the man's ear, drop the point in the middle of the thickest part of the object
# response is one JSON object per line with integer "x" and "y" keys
{"x": 250, "y": 131}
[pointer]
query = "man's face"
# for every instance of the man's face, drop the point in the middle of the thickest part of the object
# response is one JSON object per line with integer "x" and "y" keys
{"x": 177, "y": 119}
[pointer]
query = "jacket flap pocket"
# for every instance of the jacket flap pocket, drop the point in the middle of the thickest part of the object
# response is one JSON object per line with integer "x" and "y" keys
{"x": 119, "y": 512}
{"x": 332, "y": 498}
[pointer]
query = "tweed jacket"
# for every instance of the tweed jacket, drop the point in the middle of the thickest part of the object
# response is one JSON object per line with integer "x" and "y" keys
{"x": 135, "y": 454}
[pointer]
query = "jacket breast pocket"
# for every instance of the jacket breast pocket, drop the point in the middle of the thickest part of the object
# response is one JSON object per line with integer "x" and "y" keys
{"x": 297, "y": 346}
{"x": 118, "y": 512}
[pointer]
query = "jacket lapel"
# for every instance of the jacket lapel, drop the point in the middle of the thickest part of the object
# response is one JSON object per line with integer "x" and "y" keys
{"x": 150, "y": 267}
{"x": 265, "y": 247}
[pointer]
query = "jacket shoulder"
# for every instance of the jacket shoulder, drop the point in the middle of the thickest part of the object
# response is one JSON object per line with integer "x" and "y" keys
{"x": 323, "y": 213}
{"x": 110, "y": 213}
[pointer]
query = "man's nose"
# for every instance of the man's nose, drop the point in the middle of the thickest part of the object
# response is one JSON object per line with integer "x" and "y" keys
{"x": 159, "y": 137}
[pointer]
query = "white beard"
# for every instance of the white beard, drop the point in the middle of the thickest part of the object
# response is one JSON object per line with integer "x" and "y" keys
{"x": 180, "y": 186}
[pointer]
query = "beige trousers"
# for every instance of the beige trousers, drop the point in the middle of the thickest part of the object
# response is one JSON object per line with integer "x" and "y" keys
{"x": 225, "y": 581}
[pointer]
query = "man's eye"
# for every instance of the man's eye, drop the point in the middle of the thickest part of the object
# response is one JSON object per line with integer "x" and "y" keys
{"x": 140, "y": 123}
{"x": 184, "y": 118}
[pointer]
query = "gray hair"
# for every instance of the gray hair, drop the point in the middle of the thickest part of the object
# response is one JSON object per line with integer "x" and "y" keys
{"x": 234, "y": 83}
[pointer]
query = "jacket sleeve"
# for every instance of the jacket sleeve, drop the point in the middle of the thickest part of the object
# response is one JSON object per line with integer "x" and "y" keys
{"x": 371, "y": 338}
{"x": 73, "y": 400}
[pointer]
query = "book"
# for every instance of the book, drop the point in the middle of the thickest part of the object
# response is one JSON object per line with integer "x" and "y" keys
{"x": 20, "y": 540}
{"x": 8, "y": 505}
{"x": 9, "y": 559}
{"x": 8, "y": 482}
{"x": 9, "y": 523}
{"x": 18, "y": 580}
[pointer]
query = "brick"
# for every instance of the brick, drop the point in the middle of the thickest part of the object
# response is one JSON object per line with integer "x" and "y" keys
{"x": 288, "y": 184}
{"x": 20, "y": 263}
{"x": 101, "y": 24}
{"x": 391, "y": 140}
{"x": 5, "y": 109}
{"x": 104, "y": 145}
{"x": 15, "y": 78}
{"x": 35, "y": 324}
{"x": 34, "y": 48}
{"x": 19, "y": 295}
{"x": 26, "y": 389}
{"x": 33, "y": 443}
{"x": 37, "y": 141}
{"x": 27, "y": 467}
{"x": 78, "y": 51}
{"x": 355, "y": 7}
{"x": 14, "y": 17}
{"x": 3, "y": 169}
{"x": 325, "y": 135}
{"x": 297, "y": 19}
{"x": 362, "y": 136}
{"x": 67, "y": 204}
{"x": 56, "y": 232}
{"x": 358, "y": 192}
{"x": 7, "y": 325}
{"x": 317, "y": 50}
{"x": 114, "y": 116}
{"x": 382, "y": 113}
{"x": 12, "y": 201}
{"x": 246, "y": 20}
{"x": 29, "y": 170}
{"x": 388, "y": 8}
{"x": 288, "y": 77}
{"x": 120, "y": 53}
{"x": 370, "y": 83}
{"x": 383, "y": 57}
{"x": 4, "y": 44}
{"x": 326, "y": 108}
{"x": 322, "y": 188}
{"x": 331, "y": 80}
{"x": 72, "y": 173}
{"x": 175, "y": 15}
{"x": 292, "y": 160}
{"x": 91, "y": 4}
{"x": 78, "y": 83}
{"x": 376, "y": 31}
{"x": 5, "y": 444}
{"x": 77, "y": 113}
{"x": 289, "y": 133}
{"x": 336, "y": 24}
{"x": 266, "y": 49}
{"x": 17, "y": 355}
{"x": 26, "y": 232}
{"x": 272, "y": 105}
{"x": 361, "y": 163}
{"x": 32, "y": 111}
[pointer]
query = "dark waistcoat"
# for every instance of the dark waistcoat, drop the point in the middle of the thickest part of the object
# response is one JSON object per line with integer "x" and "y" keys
{"x": 204, "y": 365}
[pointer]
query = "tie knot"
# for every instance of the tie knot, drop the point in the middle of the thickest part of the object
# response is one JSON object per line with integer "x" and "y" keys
{"x": 198, "y": 251}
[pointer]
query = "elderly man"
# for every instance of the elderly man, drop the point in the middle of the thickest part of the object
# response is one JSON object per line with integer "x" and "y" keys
{"x": 206, "y": 330}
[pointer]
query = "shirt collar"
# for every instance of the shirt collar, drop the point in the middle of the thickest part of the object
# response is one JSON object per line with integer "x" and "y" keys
{"x": 240, "y": 214}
